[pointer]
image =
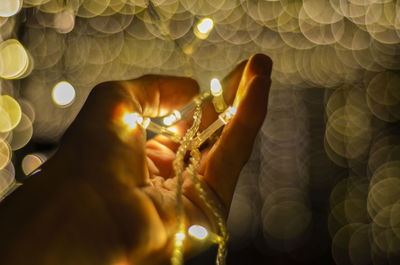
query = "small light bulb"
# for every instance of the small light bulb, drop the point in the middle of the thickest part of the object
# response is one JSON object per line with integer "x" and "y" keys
{"x": 216, "y": 88}
{"x": 172, "y": 118}
{"x": 205, "y": 25}
{"x": 180, "y": 236}
{"x": 132, "y": 120}
{"x": 197, "y": 231}
{"x": 203, "y": 28}
{"x": 218, "y": 99}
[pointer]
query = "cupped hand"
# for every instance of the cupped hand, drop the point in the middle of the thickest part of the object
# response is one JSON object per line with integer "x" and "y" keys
{"x": 108, "y": 194}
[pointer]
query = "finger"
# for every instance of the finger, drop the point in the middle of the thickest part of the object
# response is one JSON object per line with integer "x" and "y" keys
{"x": 230, "y": 84}
{"x": 159, "y": 95}
{"x": 231, "y": 152}
{"x": 161, "y": 156}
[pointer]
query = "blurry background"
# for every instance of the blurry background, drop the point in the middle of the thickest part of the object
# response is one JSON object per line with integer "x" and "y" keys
{"x": 323, "y": 182}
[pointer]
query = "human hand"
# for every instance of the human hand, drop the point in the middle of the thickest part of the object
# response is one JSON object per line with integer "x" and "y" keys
{"x": 108, "y": 195}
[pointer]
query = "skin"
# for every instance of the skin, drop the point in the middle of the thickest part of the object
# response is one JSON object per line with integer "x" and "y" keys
{"x": 107, "y": 196}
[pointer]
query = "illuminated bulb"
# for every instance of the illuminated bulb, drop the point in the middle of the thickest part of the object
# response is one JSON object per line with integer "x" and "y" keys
{"x": 131, "y": 120}
{"x": 218, "y": 98}
{"x": 205, "y": 25}
{"x": 9, "y": 8}
{"x": 216, "y": 88}
{"x": 172, "y": 118}
{"x": 63, "y": 93}
{"x": 179, "y": 238}
{"x": 223, "y": 119}
{"x": 203, "y": 28}
{"x": 198, "y": 232}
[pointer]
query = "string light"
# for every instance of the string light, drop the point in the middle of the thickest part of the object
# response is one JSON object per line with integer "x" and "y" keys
{"x": 218, "y": 97}
{"x": 198, "y": 232}
{"x": 203, "y": 28}
{"x": 172, "y": 118}
{"x": 222, "y": 120}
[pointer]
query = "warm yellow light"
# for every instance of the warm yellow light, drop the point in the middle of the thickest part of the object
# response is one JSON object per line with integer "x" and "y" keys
{"x": 64, "y": 21}
{"x": 9, "y": 8}
{"x": 216, "y": 88}
{"x": 231, "y": 112}
{"x": 30, "y": 163}
{"x": 132, "y": 120}
{"x": 205, "y": 25}
{"x": 14, "y": 59}
{"x": 203, "y": 28}
{"x": 180, "y": 236}
{"x": 197, "y": 231}
{"x": 63, "y": 93}
{"x": 172, "y": 118}
{"x": 5, "y": 154}
{"x": 10, "y": 113}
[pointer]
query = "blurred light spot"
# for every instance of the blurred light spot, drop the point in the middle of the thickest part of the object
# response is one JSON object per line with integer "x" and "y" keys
{"x": 63, "y": 93}
{"x": 14, "y": 59}
{"x": 64, "y": 21}
{"x": 5, "y": 153}
{"x": 31, "y": 162}
{"x": 197, "y": 231}
{"x": 6, "y": 178}
{"x": 180, "y": 236}
{"x": 9, "y": 8}
{"x": 10, "y": 113}
{"x": 172, "y": 118}
{"x": 22, "y": 133}
{"x": 203, "y": 28}
{"x": 132, "y": 120}
{"x": 205, "y": 25}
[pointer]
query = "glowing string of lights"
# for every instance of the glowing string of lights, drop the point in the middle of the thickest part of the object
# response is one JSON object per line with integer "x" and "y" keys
{"x": 192, "y": 141}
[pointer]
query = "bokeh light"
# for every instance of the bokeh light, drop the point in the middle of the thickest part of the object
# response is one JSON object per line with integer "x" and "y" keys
{"x": 9, "y": 8}
{"x": 323, "y": 176}
{"x": 63, "y": 93}
{"x": 10, "y": 113}
{"x": 32, "y": 162}
{"x": 14, "y": 59}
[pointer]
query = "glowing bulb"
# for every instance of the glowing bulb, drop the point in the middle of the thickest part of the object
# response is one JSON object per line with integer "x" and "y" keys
{"x": 9, "y": 8}
{"x": 172, "y": 118}
{"x": 132, "y": 120}
{"x": 63, "y": 93}
{"x": 205, "y": 25}
{"x": 203, "y": 28}
{"x": 197, "y": 231}
{"x": 179, "y": 237}
{"x": 216, "y": 88}
{"x": 218, "y": 98}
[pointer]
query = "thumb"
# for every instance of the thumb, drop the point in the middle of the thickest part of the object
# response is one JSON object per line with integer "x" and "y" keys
{"x": 227, "y": 157}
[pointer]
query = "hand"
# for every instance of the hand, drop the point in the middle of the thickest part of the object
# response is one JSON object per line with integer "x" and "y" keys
{"x": 108, "y": 195}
